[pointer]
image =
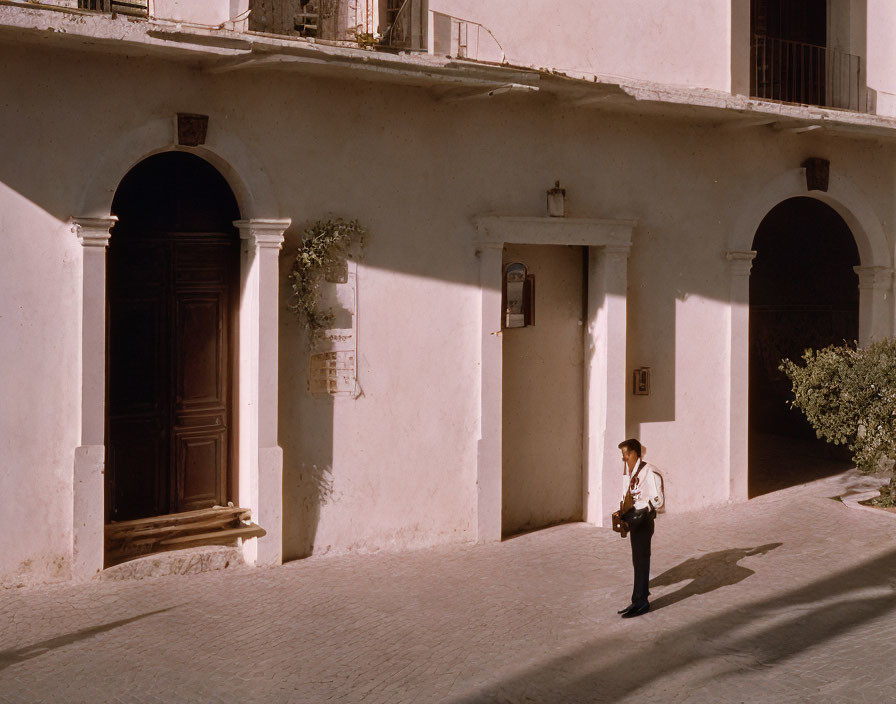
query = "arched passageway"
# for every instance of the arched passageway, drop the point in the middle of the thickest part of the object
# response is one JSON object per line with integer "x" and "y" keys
{"x": 173, "y": 291}
{"x": 803, "y": 293}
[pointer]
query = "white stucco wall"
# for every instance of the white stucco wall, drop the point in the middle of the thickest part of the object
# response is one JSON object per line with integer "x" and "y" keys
{"x": 396, "y": 468}
{"x": 39, "y": 355}
{"x": 667, "y": 41}
{"x": 209, "y": 12}
{"x": 881, "y": 53}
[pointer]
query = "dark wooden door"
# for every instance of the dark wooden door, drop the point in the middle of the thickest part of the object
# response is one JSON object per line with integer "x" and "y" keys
{"x": 170, "y": 330}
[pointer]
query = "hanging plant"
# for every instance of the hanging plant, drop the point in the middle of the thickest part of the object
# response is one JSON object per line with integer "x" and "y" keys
{"x": 325, "y": 245}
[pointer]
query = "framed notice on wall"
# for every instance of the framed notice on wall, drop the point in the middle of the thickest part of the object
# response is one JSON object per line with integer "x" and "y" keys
{"x": 333, "y": 364}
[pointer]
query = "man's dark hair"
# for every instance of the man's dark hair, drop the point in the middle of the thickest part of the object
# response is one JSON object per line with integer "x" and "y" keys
{"x": 631, "y": 444}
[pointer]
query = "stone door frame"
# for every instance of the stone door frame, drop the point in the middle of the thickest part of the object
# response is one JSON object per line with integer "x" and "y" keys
{"x": 260, "y": 458}
{"x": 605, "y": 380}
{"x": 875, "y": 292}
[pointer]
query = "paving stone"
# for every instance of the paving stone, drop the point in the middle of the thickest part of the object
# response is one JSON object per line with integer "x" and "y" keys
{"x": 789, "y": 597}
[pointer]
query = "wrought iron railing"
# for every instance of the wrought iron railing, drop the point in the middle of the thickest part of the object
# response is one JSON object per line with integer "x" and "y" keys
{"x": 407, "y": 30}
{"x": 124, "y": 7}
{"x": 795, "y": 72}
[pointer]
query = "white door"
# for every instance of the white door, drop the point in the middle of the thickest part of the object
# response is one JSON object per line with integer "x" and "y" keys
{"x": 543, "y": 393}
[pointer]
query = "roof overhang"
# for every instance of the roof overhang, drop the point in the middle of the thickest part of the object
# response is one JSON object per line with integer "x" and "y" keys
{"x": 221, "y": 50}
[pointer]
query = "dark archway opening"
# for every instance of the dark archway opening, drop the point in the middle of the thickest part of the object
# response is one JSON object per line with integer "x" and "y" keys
{"x": 803, "y": 293}
{"x": 172, "y": 291}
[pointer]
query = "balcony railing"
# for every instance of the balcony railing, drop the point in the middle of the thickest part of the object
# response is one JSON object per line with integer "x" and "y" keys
{"x": 795, "y": 72}
{"x": 403, "y": 23}
{"x": 139, "y": 8}
{"x": 463, "y": 39}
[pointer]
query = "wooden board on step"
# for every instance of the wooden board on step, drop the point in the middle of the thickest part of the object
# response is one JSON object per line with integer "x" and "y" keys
{"x": 219, "y": 525}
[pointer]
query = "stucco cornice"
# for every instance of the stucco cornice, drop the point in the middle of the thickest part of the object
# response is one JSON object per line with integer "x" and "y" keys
{"x": 740, "y": 262}
{"x": 874, "y": 277}
{"x": 93, "y": 232}
{"x": 263, "y": 233}
{"x": 495, "y": 230}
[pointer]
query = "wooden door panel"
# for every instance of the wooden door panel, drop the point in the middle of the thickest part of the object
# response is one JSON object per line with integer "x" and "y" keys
{"x": 169, "y": 411}
{"x": 138, "y": 468}
{"x": 202, "y": 297}
{"x": 137, "y": 360}
{"x": 140, "y": 265}
{"x": 199, "y": 351}
{"x": 199, "y": 456}
{"x": 138, "y": 377}
{"x": 203, "y": 263}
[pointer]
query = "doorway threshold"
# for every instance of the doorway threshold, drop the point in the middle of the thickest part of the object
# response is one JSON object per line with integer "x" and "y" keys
{"x": 208, "y": 558}
{"x": 219, "y": 525}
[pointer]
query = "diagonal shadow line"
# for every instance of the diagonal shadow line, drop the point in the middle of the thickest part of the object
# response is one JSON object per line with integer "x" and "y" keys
{"x": 17, "y": 655}
{"x": 636, "y": 665}
{"x": 777, "y": 643}
{"x": 706, "y": 574}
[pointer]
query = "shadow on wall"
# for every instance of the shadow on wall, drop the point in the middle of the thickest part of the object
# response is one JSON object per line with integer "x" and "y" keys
{"x": 652, "y": 346}
{"x": 305, "y": 431}
{"x": 821, "y": 611}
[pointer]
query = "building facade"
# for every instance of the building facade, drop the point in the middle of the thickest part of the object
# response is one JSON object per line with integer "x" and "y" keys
{"x": 562, "y": 216}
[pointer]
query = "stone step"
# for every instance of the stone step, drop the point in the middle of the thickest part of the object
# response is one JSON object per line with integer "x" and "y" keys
{"x": 186, "y": 561}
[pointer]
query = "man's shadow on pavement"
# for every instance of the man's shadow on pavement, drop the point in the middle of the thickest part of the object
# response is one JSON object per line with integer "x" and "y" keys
{"x": 706, "y": 574}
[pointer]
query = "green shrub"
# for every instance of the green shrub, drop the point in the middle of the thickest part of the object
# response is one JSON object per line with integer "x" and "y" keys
{"x": 849, "y": 396}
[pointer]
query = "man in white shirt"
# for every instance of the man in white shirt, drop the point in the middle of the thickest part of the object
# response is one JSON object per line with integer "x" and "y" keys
{"x": 638, "y": 478}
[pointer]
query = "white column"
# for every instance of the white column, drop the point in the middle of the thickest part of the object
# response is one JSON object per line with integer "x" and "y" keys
{"x": 88, "y": 485}
{"x": 605, "y": 379}
{"x": 739, "y": 264}
{"x": 875, "y": 285}
{"x": 260, "y": 456}
{"x": 489, "y": 461}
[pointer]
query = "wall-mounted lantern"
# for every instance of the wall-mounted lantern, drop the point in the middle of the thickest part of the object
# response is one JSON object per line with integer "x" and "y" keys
{"x": 519, "y": 296}
{"x": 557, "y": 201}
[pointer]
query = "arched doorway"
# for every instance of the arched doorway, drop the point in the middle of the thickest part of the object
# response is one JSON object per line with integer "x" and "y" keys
{"x": 803, "y": 293}
{"x": 173, "y": 287}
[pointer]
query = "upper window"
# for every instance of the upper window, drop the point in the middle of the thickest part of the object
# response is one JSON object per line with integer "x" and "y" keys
{"x": 790, "y": 58}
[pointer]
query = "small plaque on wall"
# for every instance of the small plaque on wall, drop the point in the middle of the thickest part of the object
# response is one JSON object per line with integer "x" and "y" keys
{"x": 333, "y": 364}
{"x": 191, "y": 129}
{"x": 332, "y": 373}
{"x": 641, "y": 381}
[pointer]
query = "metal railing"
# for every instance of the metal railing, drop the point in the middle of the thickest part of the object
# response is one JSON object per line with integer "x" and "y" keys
{"x": 795, "y": 72}
{"x": 407, "y": 30}
{"x": 139, "y": 8}
{"x": 465, "y": 39}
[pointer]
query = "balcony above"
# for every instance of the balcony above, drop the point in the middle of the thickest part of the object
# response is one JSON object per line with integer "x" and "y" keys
{"x": 228, "y": 47}
{"x": 796, "y": 72}
{"x": 398, "y": 25}
{"x": 138, "y": 8}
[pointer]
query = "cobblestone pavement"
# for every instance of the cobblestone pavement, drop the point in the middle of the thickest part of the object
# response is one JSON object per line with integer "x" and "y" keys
{"x": 787, "y": 598}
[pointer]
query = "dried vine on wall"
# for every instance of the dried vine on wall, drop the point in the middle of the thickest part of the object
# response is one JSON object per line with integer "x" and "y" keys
{"x": 326, "y": 244}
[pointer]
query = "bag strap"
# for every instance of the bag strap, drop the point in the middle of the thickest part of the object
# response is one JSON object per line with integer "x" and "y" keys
{"x": 631, "y": 482}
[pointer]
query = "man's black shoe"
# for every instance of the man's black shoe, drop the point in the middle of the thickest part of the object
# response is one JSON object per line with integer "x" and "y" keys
{"x": 638, "y": 610}
{"x": 626, "y": 609}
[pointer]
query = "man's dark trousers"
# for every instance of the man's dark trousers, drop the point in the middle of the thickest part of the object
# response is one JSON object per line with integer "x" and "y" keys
{"x": 640, "y": 539}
